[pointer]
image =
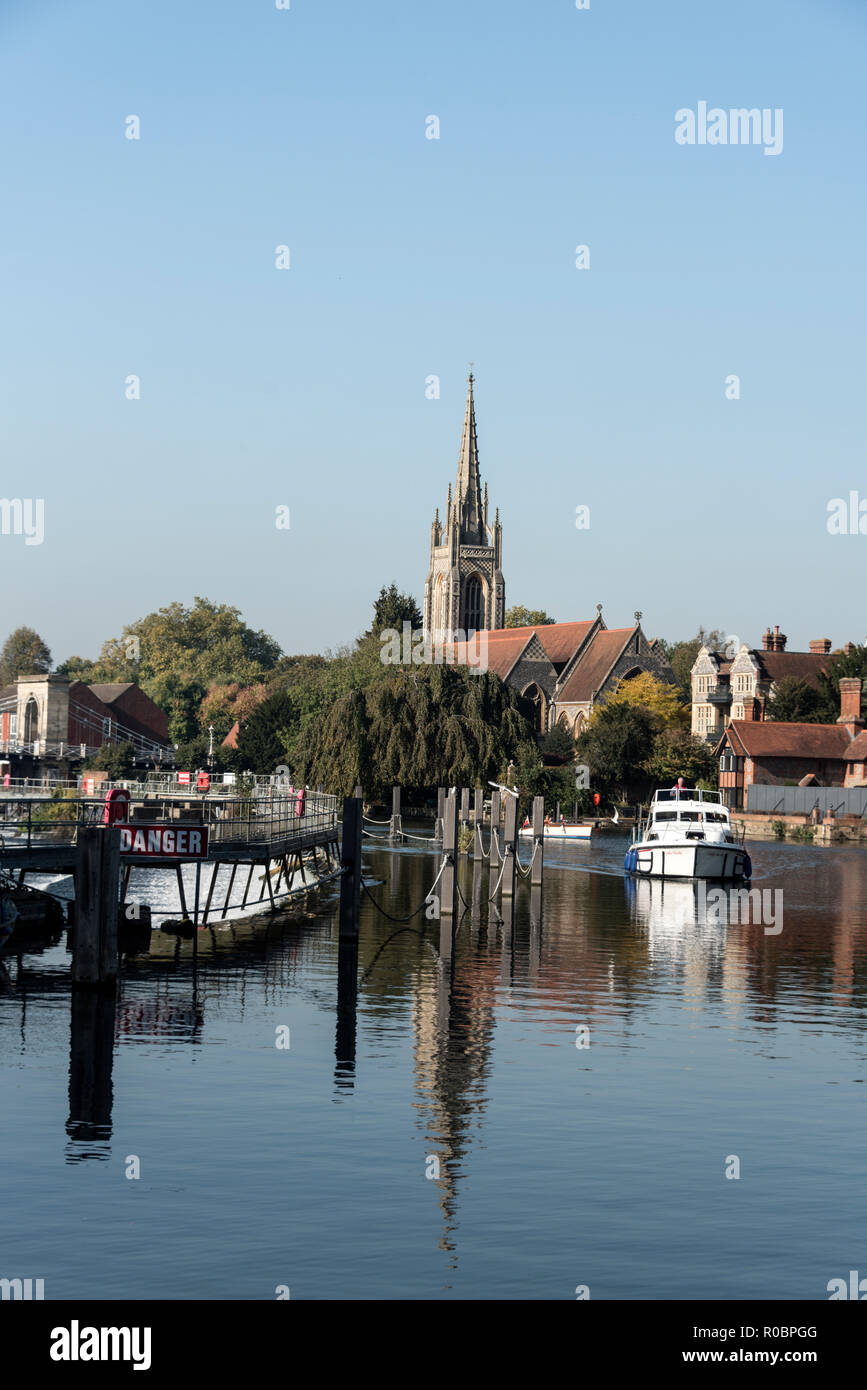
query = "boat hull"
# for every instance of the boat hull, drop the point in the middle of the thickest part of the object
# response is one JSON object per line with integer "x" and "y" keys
{"x": 700, "y": 860}
{"x": 560, "y": 832}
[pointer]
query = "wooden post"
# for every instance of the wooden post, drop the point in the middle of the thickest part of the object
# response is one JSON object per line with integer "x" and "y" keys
{"x": 495, "y": 828}
{"x": 449, "y": 880}
{"x": 441, "y": 810}
{"x": 510, "y": 845}
{"x": 97, "y": 884}
{"x": 358, "y": 793}
{"x": 465, "y": 806}
{"x": 395, "y": 829}
{"x": 350, "y": 864}
{"x": 538, "y": 842}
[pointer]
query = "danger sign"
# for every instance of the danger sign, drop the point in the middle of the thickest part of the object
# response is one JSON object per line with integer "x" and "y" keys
{"x": 164, "y": 841}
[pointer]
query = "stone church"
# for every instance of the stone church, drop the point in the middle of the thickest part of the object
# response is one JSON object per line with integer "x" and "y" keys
{"x": 564, "y": 669}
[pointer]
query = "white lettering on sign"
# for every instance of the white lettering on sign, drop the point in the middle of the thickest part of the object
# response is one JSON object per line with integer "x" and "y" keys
{"x": 163, "y": 842}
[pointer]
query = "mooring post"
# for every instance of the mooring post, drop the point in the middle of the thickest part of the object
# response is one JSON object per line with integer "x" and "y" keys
{"x": 495, "y": 828}
{"x": 449, "y": 895}
{"x": 538, "y": 842}
{"x": 358, "y": 793}
{"x": 350, "y": 867}
{"x": 510, "y": 846}
{"x": 465, "y": 806}
{"x": 395, "y": 829}
{"x": 97, "y": 887}
{"x": 441, "y": 810}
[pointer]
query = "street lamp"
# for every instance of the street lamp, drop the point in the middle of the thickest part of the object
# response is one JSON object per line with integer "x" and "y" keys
{"x": 210, "y": 745}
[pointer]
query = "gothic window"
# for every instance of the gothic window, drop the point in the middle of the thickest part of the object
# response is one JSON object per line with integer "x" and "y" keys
{"x": 473, "y": 617}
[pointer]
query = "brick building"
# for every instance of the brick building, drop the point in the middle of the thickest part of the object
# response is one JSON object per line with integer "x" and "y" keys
{"x": 760, "y": 752}
{"x": 48, "y": 719}
{"x": 738, "y": 687}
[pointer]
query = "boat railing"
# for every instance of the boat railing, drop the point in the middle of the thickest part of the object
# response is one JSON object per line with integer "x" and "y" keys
{"x": 688, "y": 794}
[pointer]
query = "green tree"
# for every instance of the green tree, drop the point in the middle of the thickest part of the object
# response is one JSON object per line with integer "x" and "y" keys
{"x": 527, "y": 617}
{"x": 794, "y": 701}
{"x": 421, "y": 727}
{"x": 615, "y": 746}
{"x": 852, "y": 663}
{"x": 393, "y": 609}
{"x": 24, "y": 654}
{"x": 117, "y": 759}
{"x": 265, "y": 739}
{"x": 676, "y": 754}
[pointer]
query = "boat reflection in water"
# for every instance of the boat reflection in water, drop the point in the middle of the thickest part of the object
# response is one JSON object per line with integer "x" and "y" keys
{"x": 675, "y": 915}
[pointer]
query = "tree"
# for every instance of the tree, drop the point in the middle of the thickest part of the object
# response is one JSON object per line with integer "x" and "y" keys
{"x": 527, "y": 617}
{"x": 616, "y": 744}
{"x": 421, "y": 727}
{"x": 24, "y": 654}
{"x": 558, "y": 743}
{"x": 663, "y": 702}
{"x": 392, "y": 610}
{"x": 794, "y": 701}
{"x": 208, "y": 642}
{"x": 676, "y": 754}
{"x": 117, "y": 759}
{"x": 265, "y": 738}
{"x": 852, "y": 663}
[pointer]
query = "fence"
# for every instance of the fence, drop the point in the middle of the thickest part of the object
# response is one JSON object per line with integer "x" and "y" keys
{"x": 267, "y": 816}
{"x": 800, "y": 801}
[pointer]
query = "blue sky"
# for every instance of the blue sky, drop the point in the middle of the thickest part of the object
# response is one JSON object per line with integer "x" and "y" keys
{"x": 409, "y": 257}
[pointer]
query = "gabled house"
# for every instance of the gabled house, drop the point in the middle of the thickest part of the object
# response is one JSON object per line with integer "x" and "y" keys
{"x": 767, "y": 753}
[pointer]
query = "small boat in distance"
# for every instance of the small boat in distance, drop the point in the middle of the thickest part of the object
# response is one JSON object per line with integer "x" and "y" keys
{"x": 687, "y": 834}
{"x": 559, "y": 830}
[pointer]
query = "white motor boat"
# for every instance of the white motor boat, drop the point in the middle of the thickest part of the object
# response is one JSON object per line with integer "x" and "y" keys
{"x": 687, "y": 834}
{"x": 560, "y": 830}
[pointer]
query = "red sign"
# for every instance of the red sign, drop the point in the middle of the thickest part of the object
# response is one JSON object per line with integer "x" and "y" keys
{"x": 164, "y": 841}
{"x": 183, "y": 779}
{"x": 203, "y": 781}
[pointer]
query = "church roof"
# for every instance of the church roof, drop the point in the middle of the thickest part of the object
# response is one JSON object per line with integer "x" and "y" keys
{"x": 594, "y": 665}
{"x": 560, "y": 640}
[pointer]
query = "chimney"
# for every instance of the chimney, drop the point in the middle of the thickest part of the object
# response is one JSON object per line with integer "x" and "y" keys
{"x": 850, "y": 705}
{"x": 820, "y": 646}
{"x": 778, "y": 640}
{"x": 752, "y": 710}
{"x": 767, "y": 641}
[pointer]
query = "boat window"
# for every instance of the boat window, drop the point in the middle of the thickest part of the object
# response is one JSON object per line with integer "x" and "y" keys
{"x": 665, "y": 815}
{"x": 689, "y": 815}
{"x": 695, "y": 834}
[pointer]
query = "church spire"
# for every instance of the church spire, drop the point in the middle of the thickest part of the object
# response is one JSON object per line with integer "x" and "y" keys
{"x": 469, "y": 486}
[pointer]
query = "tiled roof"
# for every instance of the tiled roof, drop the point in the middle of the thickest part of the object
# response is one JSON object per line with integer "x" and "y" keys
{"x": 804, "y": 666}
{"x": 594, "y": 665}
{"x": 231, "y": 739}
{"x": 857, "y": 750}
{"x": 504, "y": 645}
{"x": 767, "y": 739}
{"x": 108, "y": 693}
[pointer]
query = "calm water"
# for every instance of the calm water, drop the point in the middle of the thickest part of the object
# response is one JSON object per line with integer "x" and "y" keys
{"x": 559, "y": 1165}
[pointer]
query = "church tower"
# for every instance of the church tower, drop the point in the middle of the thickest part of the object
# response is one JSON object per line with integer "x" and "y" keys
{"x": 465, "y": 588}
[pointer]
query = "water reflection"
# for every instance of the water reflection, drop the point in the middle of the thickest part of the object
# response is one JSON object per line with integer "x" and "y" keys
{"x": 434, "y": 1033}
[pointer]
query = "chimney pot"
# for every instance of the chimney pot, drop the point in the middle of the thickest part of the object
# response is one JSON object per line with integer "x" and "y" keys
{"x": 820, "y": 646}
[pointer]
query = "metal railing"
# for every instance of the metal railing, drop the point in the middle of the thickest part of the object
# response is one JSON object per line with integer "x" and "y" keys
{"x": 687, "y": 794}
{"x": 262, "y": 819}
